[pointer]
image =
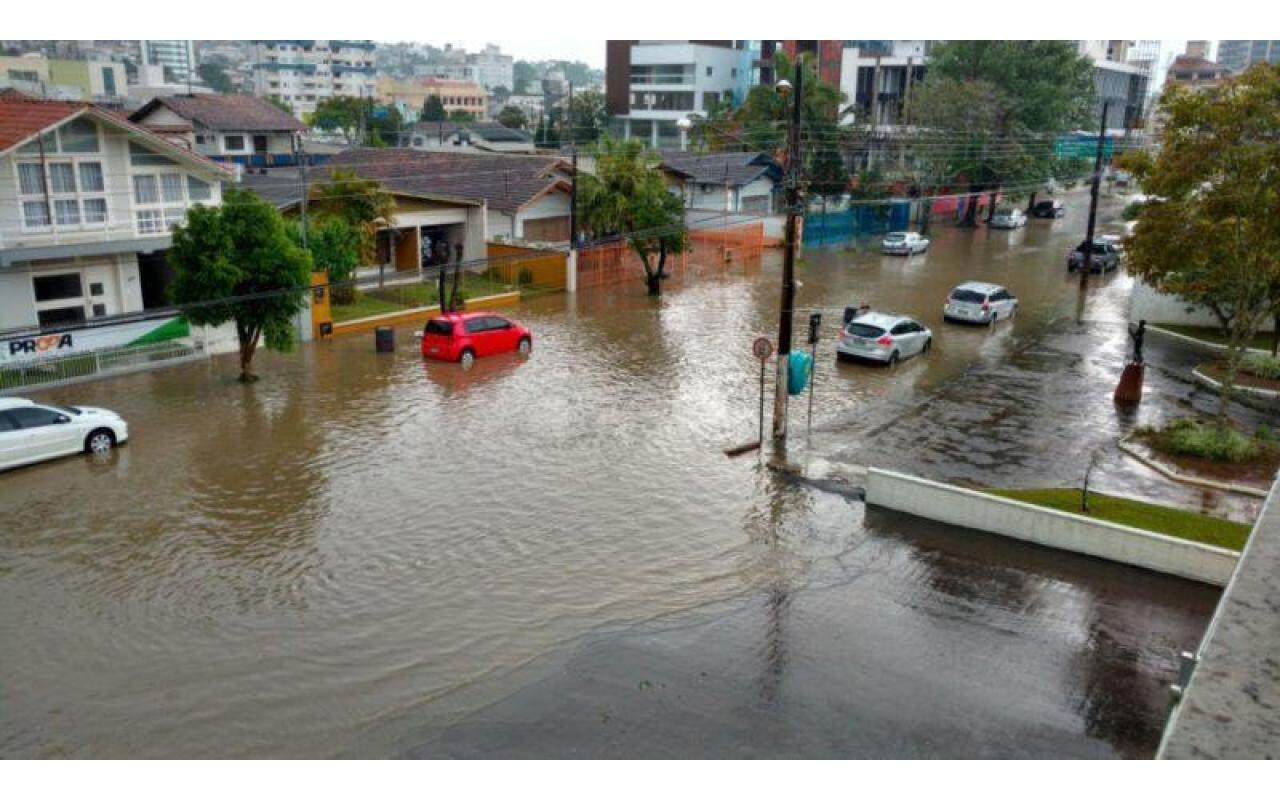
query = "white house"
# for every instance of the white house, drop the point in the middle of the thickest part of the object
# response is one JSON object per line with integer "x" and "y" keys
{"x": 87, "y": 200}
{"x": 730, "y": 182}
{"x": 226, "y": 127}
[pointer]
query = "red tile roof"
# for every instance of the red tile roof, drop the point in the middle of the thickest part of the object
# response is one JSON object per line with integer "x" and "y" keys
{"x": 23, "y": 116}
{"x": 224, "y": 112}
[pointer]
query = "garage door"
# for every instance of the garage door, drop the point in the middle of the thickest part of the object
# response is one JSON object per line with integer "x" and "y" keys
{"x": 547, "y": 229}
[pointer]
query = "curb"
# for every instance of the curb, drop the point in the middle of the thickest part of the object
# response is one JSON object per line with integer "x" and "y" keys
{"x": 1207, "y": 345}
{"x": 1173, "y": 474}
{"x": 1248, "y": 391}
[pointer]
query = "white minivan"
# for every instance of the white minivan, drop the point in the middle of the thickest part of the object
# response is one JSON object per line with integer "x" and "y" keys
{"x": 974, "y": 301}
{"x": 31, "y": 432}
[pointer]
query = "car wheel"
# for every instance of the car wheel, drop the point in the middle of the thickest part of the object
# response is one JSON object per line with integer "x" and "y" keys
{"x": 525, "y": 346}
{"x": 893, "y": 358}
{"x": 99, "y": 441}
{"x": 467, "y": 359}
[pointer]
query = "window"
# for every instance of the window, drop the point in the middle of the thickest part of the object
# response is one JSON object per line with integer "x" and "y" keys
{"x": 66, "y": 212}
{"x": 140, "y": 156}
{"x": 96, "y": 289}
{"x": 34, "y": 416}
{"x": 7, "y": 423}
{"x": 31, "y": 178}
{"x": 91, "y": 177}
{"x": 174, "y": 216}
{"x": 709, "y": 70}
{"x": 108, "y": 81}
{"x": 63, "y": 286}
{"x": 79, "y": 136}
{"x": 233, "y": 142}
{"x": 968, "y": 296}
{"x": 171, "y": 187}
{"x": 150, "y": 221}
{"x": 145, "y": 190}
{"x": 60, "y": 316}
{"x": 478, "y": 325}
{"x": 62, "y": 178}
{"x": 99, "y": 309}
{"x": 865, "y": 331}
{"x": 35, "y": 214}
{"x": 198, "y": 190}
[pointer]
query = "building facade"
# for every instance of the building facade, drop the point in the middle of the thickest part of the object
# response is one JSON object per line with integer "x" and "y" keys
{"x": 64, "y": 79}
{"x": 651, "y": 85}
{"x": 877, "y": 79}
{"x": 87, "y": 201}
{"x": 1236, "y": 55}
{"x": 1125, "y": 87}
{"x": 304, "y": 72}
{"x": 409, "y": 96}
{"x": 226, "y": 128}
{"x": 176, "y": 58}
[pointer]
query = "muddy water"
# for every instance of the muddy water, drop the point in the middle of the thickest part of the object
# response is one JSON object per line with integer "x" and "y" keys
{"x": 360, "y": 550}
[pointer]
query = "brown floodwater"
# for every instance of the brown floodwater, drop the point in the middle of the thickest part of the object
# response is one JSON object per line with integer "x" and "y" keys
{"x": 364, "y": 553}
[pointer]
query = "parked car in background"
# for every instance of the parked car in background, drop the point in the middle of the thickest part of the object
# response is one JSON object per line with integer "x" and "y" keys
{"x": 1008, "y": 218}
{"x": 884, "y": 337}
{"x": 464, "y": 337}
{"x": 904, "y": 243}
{"x": 32, "y": 432}
{"x": 1106, "y": 257}
{"x": 978, "y": 302}
{"x": 1048, "y": 209}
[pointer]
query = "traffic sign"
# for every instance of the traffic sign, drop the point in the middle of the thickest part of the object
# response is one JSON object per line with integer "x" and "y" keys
{"x": 762, "y": 348}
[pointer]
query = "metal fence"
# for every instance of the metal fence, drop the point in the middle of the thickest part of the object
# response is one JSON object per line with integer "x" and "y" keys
{"x": 842, "y": 226}
{"x": 73, "y": 367}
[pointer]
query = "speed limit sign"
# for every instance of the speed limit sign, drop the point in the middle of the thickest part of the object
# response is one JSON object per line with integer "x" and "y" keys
{"x": 762, "y": 348}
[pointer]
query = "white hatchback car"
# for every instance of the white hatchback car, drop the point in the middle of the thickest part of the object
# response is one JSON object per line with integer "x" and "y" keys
{"x": 904, "y": 243}
{"x": 31, "y": 432}
{"x": 878, "y": 336}
{"x": 974, "y": 301}
{"x": 1008, "y": 218}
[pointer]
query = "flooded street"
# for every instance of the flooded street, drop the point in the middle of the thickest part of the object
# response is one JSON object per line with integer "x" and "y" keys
{"x": 372, "y": 555}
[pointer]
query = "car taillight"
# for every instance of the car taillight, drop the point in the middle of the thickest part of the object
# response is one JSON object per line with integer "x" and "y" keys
{"x": 884, "y": 341}
{"x": 986, "y": 306}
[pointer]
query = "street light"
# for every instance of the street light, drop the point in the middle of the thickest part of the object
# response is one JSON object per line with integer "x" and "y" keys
{"x": 685, "y": 125}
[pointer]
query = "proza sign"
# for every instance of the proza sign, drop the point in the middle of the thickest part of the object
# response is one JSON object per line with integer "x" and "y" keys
{"x": 40, "y": 344}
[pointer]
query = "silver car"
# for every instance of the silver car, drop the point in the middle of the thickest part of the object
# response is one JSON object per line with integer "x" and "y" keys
{"x": 983, "y": 303}
{"x": 879, "y": 336}
{"x": 904, "y": 243}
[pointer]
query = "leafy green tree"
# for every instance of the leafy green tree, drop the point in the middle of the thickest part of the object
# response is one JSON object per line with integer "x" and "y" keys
{"x": 1211, "y": 233}
{"x": 761, "y": 121}
{"x": 433, "y": 110}
{"x": 991, "y": 111}
{"x": 828, "y": 174}
{"x": 458, "y": 115}
{"x": 384, "y": 126}
{"x": 361, "y": 203}
{"x": 335, "y": 245}
{"x": 589, "y": 117}
{"x": 236, "y": 263}
{"x": 513, "y": 117}
{"x": 501, "y": 94}
{"x": 214, "y": 75}
{"x": 345, "y": 115}
{"x": 628, "y": 197}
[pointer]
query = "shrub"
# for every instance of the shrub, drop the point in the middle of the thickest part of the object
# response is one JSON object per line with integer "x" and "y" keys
{"x": 1186, "y": 437}
{"x": 1261, "y": 365}
{"x": 1130, "y": 212}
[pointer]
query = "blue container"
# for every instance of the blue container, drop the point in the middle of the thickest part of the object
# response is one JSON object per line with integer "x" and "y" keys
{"x": 799, "y": 365}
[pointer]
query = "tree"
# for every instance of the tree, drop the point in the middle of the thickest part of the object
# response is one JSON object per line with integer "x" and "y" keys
{"x": 991, "y": 111}
{"x": 236, "y": 263}
{"x": 343, "y": 114}
{"x": 628, "y": 197}
{"x": 590, "y": 118}
{"x": 523, "y": 74}
{"x": 1211, "y": 233}
{"x": 384, "y": 125}
{"x": 761, "y": 120}
{"x": 433, "y": 110}
{"x": 362, "y": 203}
{"x": 214, "y": 75}
{"x": 828, "y": 175}
{"x": 458, "y": 115}
{"x": 335, "y": 246}
{"x": 513, "y": 117}
{"x": 501, "y": 94}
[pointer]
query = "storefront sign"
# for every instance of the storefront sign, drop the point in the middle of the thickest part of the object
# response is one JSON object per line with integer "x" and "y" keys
{"x": 34, "y": 347}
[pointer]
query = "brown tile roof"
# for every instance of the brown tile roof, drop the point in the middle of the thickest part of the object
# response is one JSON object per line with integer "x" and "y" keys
{"x": 224, "y": 112}
{"x": 505, "y": 182}
{"x": 23, "y": 116}
{"x": 1186, "y": 63}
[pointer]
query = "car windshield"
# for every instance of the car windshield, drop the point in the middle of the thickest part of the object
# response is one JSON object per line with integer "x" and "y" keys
{"x": 439, "y": 327}
{"x": 864, "y": 330}
{"x": 67, "y": 410}
{"x": 896, "y": 237}
{"x": 968, "y": 296}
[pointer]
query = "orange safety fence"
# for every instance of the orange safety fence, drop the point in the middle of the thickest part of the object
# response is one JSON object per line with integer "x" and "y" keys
{"x": 709, "y": 252}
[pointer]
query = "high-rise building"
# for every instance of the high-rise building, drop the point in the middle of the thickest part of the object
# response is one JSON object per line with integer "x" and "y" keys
{"x": 175, "y": 58}
{"x": 491, "y": 69}
{"x": 303, "y": 72}
{"x": 651, "y": 85}
{"x": 1236, "y": 55}
{"x": 877, "y": 78}
{"x": 1124, "y": 86}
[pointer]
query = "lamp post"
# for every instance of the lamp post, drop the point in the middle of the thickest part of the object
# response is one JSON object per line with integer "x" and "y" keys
{"x": 787, "y": 310}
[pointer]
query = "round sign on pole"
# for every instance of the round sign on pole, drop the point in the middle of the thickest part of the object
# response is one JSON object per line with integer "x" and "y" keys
{"x": 762, "y": 348}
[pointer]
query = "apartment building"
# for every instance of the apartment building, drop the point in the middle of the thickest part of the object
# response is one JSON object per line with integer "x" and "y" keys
{"x": 877, "y": 78}
{"x": 64, "y": 79}
{"x": 409, "y": 96}
{"x": 303, "y": 72}
{"x": 175, "y": 59}
{"x": 1124, "y": 85}
{"x": 1236, "y": 55}
{"x": 87, "y": 201}
{"x": 651, "y": 85}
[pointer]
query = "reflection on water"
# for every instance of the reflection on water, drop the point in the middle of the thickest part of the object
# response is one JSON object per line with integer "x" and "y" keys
{"x": 364, "y": 542}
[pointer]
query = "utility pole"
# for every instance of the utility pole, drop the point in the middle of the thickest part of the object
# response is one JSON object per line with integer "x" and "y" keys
{"x": 573, "y": 190}
{"x": 1093, "y": 200}
{"x": 302, "y": 165}
{"x": 788, "y": 260}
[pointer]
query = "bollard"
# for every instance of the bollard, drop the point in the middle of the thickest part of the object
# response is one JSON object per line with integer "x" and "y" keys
{"x": 384, "y": 339}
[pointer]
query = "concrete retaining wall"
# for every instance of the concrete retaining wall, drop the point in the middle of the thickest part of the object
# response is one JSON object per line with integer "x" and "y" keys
{"x": 980, "y": 511}
{"x": 1156, "y": 308}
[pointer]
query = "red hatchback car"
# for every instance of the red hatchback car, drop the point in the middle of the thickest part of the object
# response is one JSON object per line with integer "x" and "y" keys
{"x": 466, "y": 337}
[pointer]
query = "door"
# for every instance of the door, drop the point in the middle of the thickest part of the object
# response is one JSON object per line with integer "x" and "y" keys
{"x": 259, "y": 144}
{"x": 50, "y": 433}
{"x": 481, "y": 336}
{"x": 903, "y": 339}
{"x": 13, "y": 442}
{"x": 504, "y": 335}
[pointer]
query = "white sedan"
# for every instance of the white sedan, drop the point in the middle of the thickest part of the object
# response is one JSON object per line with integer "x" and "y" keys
{"x": 904, "y": 243}
{"x": 877, "y": 336}
{"x": 31, "y": 432}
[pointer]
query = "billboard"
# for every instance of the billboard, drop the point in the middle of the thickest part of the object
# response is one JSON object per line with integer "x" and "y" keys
{"x": 26, "y": 348}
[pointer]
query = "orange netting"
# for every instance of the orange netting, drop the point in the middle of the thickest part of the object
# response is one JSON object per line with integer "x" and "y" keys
{"x": 709, "y": 251}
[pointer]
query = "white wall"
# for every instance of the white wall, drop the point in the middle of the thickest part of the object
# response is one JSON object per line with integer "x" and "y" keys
{"x": 500, "y": 224}
{"x": 17, "y": 300}
{"x": 983, "y": 512}
{"x": 1149, "y": 304}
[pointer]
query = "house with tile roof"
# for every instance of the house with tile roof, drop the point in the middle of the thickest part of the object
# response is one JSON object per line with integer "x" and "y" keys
{"x": 731, "y": 182}
{"x": 527, "y": 197}
{"x": 470, "y": 137}
{"x": 87, "y": 201}
{"x": 230, "y": 128}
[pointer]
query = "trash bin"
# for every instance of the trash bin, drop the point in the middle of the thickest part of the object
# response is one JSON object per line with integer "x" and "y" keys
{"x": 385, "y": 339}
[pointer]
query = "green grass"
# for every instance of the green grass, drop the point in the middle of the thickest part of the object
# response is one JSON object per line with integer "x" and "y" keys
{"x": 1261, "y": 341}
{"x": 1188, "y": 525}
{"x": 371, "y": 302}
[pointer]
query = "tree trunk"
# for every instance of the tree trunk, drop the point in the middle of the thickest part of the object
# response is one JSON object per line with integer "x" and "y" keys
{"x": 970, "y": 219}
{"x": 454, "y": 301}
{"x": 248, "y": 345}
{"x": 1031, "y": 203}
{"x": 1275, "y": 335}
{"x": 442, "y": 291}
{"x": 991, "y": 206}
{"x": 654, "y": 283}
